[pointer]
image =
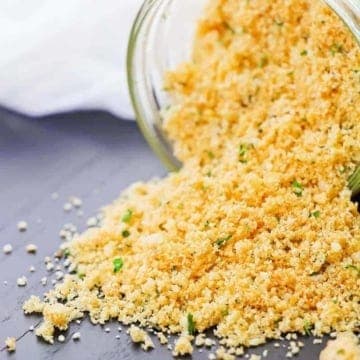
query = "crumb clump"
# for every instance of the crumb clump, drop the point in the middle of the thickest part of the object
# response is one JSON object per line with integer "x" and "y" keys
{"x": 10, "y": 343}
{"x": 345, "y": 347}
{"x": 183, "y": 346}
{"x": 138, "y": 335}
{"x": 257, "y": 230}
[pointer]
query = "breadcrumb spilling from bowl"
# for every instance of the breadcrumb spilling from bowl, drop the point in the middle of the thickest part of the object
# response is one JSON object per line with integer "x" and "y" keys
{"x": 256, "y": 235}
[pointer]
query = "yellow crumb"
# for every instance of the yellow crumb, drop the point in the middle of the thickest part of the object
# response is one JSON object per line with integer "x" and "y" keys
{"x": 162, "y": 338}
{"x": 222, "y": 354}
{"x": 183, "y": 346}
{"x": 10, "y": 343}
{"x": 345, "y": 347}
{"x": 140, "y": 336}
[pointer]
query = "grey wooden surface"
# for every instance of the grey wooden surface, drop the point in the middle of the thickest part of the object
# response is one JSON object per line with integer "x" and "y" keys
{"x": 91, "y": 155}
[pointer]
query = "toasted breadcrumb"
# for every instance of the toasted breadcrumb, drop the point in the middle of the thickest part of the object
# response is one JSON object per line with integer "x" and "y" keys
{"x": 254, "y": 234}
{"x": 183, "y": 346}
{"x": 140, "y": 336}
{"x": 10, "y": 343}
{"x": 222, "y": 354}
{"x": 345, "y": 347}
{"x": 162, "y": 338}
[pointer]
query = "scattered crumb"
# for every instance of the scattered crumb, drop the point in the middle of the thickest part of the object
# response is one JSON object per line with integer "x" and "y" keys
{"x": 317, "y": 341}
{"x": 21, "y": 281}
{"x": 140, "y": 336}
{"x": 31, "y": 248}
{"x": 162, "y": 338}
{"x": 22, "y": 226}
{"x": 7, "y": 249}
{"x": 222, "y": 354}
{"x": 67, "y": 207}
{"x": 61, "y": 338}
{"x": 183, "y": 346}
{"x": 107, "y": 329}
{"x": 10, "y": 343}
{"x": 75, "y": 201}
{"x": 200, "y": 340}
{"x": 43, "y": 280}
{"x": 32, "y": 269}
{"x": 92, "y": 222}
{"x": 76, "y": 336}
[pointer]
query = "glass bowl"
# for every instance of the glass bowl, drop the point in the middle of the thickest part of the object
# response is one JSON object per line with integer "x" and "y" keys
{"x": 160, "y": 39}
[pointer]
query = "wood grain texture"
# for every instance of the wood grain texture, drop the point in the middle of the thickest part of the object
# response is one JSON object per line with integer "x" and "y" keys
{"x": 91, "y": 155}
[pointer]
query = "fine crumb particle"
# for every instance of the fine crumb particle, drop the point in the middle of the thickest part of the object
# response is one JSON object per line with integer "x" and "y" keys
{"x": 75, "y": 201}
{"x": 120, "y": 328}
{"x": 222, "y": 354}
{"x": 162, "y": 338}
{"x": 10, "y": 343}
{"x": 31, "y": 328}
{"x": 255, "y": 357}
{"x": 92, "y": 222}
{"x": 239, "y": 351}
{"x": 138, "y": 335}
{"x": 200, "y": 340}
{"x": 117, "y": 337}
{"x": 212, "y": 356}
{"x": 31, "y": 248}
{"x": 183, "y": 346}
{"x": 317, "y": 341}
{"x": 277, "y": 345}
{"x": 67, "y": 207}
{"x": 7, "y": 249}
{"x": 50, "y": 266}
{"x": 345, "y": 347}
{"x": 61, "y": 338}
{"x": 21, "y": 281}
{"x": 209, "y": 342}
{"x": 76, "y": 336}
{"x": 265, "y": 353}
{"x": 32, "y": 269}
{"x": 22, "y": 226}
{"x": 107, "y": 329}
{"x": 78, "y": 322}
{"x": 43, "y": 280}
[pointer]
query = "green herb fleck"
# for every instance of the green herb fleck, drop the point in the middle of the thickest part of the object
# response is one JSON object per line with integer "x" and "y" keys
{"x": 225, "y": 312}
{"x": 118, "y": 264}
{"x": 279, "y": 22}
{"x": 191, "y": 324}
{"x": 315, "y": 214}
{"x": 304, "y": 53}
{"x": 307, "y": 327}
{"x": 336, "y": 48}
{"x": 228, "y": 27}
{"x": 81, "y": 276}
{"x": 243, "y": 151}
{"x": 341, "y": 352}
{"x": 210, "y": 154}
{"x": 127, "y": 216}
{"x": 353, "y": 267}
{"x": 264, "y": 60}
{"x": 297, "y": 188}
{"x": 222, "y": 240}
{"x": 125, "y": 233}
{"x": 67, "y": 252}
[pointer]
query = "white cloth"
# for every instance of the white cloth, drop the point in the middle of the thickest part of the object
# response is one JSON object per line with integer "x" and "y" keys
{"x": 64, "y": 55}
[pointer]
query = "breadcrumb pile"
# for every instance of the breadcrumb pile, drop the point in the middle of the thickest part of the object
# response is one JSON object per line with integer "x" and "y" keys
{"x": 256, "y": 235}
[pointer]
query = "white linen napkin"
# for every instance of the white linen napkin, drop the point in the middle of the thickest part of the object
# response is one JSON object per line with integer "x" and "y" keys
{"x": 65, "y": 55}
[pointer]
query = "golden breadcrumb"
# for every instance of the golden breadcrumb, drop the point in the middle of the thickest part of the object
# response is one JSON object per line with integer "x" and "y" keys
{"x": 256, "y": 235}
{"x": 10, "y": 343}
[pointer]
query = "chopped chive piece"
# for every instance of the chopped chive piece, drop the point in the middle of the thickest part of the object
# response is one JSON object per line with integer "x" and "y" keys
{"x": 125, "y": 233}
{"x": 304, "y": 53}
{"x": 315, "y": 214}
{"x": 210, "y": 154}
{"x": 127, "y": 216}
{"x": 353, "y": 267}
{"x": 118, "y": 264}
{"x": 336, "y": 48}
{"x": 191, "y": 324}
{"x": 243, "y": 151}
{"x": 354, "y": 182}
{"x": 67, "y": 252}
{"x": 307, "y": 327}
{"x": 81, "y": 276}
{"x": 228, "y": 27}
{"x": 221, "y": 241}
{"x": 297, "y": 188}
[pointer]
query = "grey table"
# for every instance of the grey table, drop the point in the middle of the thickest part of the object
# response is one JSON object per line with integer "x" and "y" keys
{"x": 91, "y": 155}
